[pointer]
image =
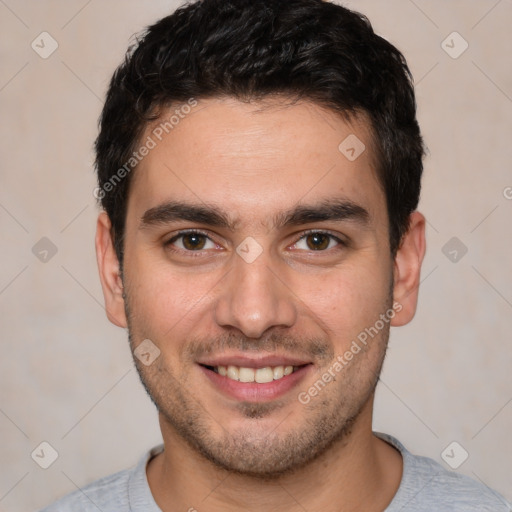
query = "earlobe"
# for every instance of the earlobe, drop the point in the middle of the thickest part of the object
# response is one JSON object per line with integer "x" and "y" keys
{"x": 108, "y": 266}
{"x": 407, "y": 270}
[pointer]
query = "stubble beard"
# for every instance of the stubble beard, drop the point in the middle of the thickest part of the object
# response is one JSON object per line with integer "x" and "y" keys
{"x": 324, "y": 422}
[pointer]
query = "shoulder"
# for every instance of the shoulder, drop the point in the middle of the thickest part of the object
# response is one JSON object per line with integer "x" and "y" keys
{"x": 103, "y": 494}
{"x": 124, "y": 491}
{"x": 439, "y": 486}
{"x": 426, "y": 486}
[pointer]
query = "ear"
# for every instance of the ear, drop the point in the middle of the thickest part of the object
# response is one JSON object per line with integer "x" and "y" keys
{"x": 108, "y": 266}
{"x": 407, "y": 270}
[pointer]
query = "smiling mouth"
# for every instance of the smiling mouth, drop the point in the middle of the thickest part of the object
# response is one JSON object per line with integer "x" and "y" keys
{"x": 259, "y": 375}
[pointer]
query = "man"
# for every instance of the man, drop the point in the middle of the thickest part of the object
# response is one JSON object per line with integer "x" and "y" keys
{"x": 259, "y": 167}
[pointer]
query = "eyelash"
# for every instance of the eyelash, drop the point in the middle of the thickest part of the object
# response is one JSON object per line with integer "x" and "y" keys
{"x": 177, "y": 236}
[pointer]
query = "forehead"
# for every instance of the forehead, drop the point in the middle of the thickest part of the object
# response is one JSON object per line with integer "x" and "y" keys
{"x": 254, "y": 160}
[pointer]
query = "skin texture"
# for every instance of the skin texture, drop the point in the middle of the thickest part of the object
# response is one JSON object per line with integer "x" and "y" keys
{"x": 302, "y": 297}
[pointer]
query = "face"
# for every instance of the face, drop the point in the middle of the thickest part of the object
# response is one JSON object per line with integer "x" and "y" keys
{"x": 256, "y": 256}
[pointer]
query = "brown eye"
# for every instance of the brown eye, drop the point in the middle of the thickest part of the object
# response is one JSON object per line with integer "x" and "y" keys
{"x": 193, "y": 241}
{"x": 318, "y": 241}
{"x": 190, "y": 241}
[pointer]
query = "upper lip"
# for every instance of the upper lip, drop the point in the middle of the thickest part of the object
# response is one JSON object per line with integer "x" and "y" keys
{"x": 252, "y": 362}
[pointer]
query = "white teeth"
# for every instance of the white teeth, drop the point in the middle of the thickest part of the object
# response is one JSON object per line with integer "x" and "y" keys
{"x": 246, "y": 374}
{"x": 232, "y": 372}
{"x": 278, "y": 372}
{"x": 259, "y": 375}
{"x": 263, "y": 375}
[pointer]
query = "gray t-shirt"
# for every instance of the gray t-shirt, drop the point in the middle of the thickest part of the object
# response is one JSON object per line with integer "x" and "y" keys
{"x": 425, "y": 487}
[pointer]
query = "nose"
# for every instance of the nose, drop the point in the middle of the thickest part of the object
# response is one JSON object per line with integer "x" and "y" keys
{"x": 254, "y": 298}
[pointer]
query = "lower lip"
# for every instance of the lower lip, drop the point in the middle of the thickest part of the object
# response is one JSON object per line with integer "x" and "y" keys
{"x": 254, "y": 392}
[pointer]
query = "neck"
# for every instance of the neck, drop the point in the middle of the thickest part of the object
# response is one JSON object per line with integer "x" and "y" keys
{"x": 358, "y": 472}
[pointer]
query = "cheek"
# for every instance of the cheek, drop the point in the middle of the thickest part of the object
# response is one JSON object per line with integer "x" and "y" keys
{"x": 348, "y": 301}
{"x": 163, "y": 303}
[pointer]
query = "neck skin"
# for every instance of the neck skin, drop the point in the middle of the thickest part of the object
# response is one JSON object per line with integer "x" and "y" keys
{"x": 361, "y": 472}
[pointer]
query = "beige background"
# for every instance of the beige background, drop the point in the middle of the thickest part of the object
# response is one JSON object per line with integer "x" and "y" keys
{"x": 66, "y": 375}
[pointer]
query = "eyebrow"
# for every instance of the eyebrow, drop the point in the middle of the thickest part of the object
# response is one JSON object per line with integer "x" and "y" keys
{"x": 212, "y": 215}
